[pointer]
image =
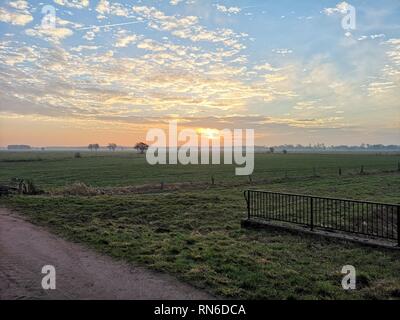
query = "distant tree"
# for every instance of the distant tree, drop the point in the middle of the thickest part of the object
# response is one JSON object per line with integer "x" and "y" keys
{"x": 112, "y": 146}
{"x": 94, "y": 146}
{"x": 141, "y": 146}
{"x": 271, "y": 149}
{"x": 284, "y": 151}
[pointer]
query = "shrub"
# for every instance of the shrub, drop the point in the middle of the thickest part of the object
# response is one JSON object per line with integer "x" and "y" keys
{"x": 80, "y": 189}
{"x": 77, "y": 155}
{"x": 26, "y": 186}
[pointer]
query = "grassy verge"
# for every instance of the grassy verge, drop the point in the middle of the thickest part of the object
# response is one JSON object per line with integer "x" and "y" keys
{"x": 196, "y": 236}
{"x": 51, "y": 170}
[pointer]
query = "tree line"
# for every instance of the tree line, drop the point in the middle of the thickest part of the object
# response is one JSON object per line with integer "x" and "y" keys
{"x": 140, "y": 146}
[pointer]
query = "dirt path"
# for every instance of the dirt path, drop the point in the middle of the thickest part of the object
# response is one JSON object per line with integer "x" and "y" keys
{"x": 80, "y": 272}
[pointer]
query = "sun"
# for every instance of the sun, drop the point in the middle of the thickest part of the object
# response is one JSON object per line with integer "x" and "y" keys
{"x": 209, "y": 133}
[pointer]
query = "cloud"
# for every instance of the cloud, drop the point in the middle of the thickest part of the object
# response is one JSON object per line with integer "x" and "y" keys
{"x": 389, "y": 78}
{"x": 228, "y": 10}
{"x": 105, "y": 7}
{"x": 149, "y": 44}
{"x": 175, "y": 2}
{"x": 64, "y": 23}
{"x": 188, "y": 27}
{"x": 83, "y": 48}
{"x": 328, "y": 122}
{"x": 341, "y": 8}
{"x": 125, "y": 40}
{"x": 19, "y": 5}
{"x": 282, "y": 52}
{"x": 18, "y": 18}
{"x": 78, "y": 4}
{"x": 50, "y": 34}
{"x": 182, "y": 66}
{"x": 265, "y": 67}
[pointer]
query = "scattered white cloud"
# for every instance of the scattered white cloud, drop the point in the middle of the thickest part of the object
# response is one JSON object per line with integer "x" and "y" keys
{"x": 78, "y": 4}
{"x": 180, "y": 65}
{"x": 283, "y": 51}
{"x": 18, "y": 18}
{"x": 175, "y": 2}
{"x": 341, "y": 8}
{"x": 50, "y": 34}
{"x": 19, "y": 4}
{"x": 228, "y": 10}
{"x": 83, "y": 48}
{"x": 377, "y": 36}
{"x": 104, "y": 7}
{"x": 65, "y": 23}
{"x": 188, "y": 27}
{"x": 124, "y": 40}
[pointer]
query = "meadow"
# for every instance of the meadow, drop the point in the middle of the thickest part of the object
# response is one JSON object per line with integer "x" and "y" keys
{"x": 195, "y": 234}
{"x": 112, "y": 169}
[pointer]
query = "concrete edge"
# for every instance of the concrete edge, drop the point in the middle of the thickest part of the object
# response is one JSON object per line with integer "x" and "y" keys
{"x": 318, "y": 233}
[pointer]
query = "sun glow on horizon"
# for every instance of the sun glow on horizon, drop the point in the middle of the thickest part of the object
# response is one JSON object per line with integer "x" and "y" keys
{"x": 209, "y": 133}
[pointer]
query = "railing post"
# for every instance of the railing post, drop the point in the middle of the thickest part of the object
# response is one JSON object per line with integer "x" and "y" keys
{"x": 248, "y": 204}
{"x": 247, "y": 197}
{"x": 398, "y": 226}
{"x": 312, "y": 214}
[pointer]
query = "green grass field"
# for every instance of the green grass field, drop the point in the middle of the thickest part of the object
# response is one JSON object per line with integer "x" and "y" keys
{"x": 196, "y": 235}
{"x": 57, "y": 169}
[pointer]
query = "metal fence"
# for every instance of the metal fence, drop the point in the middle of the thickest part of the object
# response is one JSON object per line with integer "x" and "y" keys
{"x": 381, "y": 220}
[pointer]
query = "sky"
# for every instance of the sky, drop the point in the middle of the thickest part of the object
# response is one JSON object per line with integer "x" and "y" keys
{"x": 74, "y": 72}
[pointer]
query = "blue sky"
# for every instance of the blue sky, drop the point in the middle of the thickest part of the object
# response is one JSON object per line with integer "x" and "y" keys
{"x": 109, "y": 70}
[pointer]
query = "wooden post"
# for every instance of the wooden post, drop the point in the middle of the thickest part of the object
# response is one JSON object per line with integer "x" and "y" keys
{"x": 250, "y": 179}
{"x": 212, "y": 180}
{"x": 162, "y": 185}
{"x": 362, "y": 170}
{"x": 340, "y": 171}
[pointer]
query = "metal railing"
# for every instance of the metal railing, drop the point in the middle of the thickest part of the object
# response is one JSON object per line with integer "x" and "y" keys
{"x": 380, "y": 220}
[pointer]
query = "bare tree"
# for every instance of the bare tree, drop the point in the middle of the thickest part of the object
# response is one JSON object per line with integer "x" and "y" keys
{"x": 272, "y": 149}
{"x": 94, "y": 146}
{"x": 112, "y": 146}
{"x": 141, "y": 146}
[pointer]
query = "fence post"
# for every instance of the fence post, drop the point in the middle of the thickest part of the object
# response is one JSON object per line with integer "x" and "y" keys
{"x": 246, "y": 194}
{"x": 312, "y": 214}
{"x": 248, "y": 204}
{"x": 398, "y": 225}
